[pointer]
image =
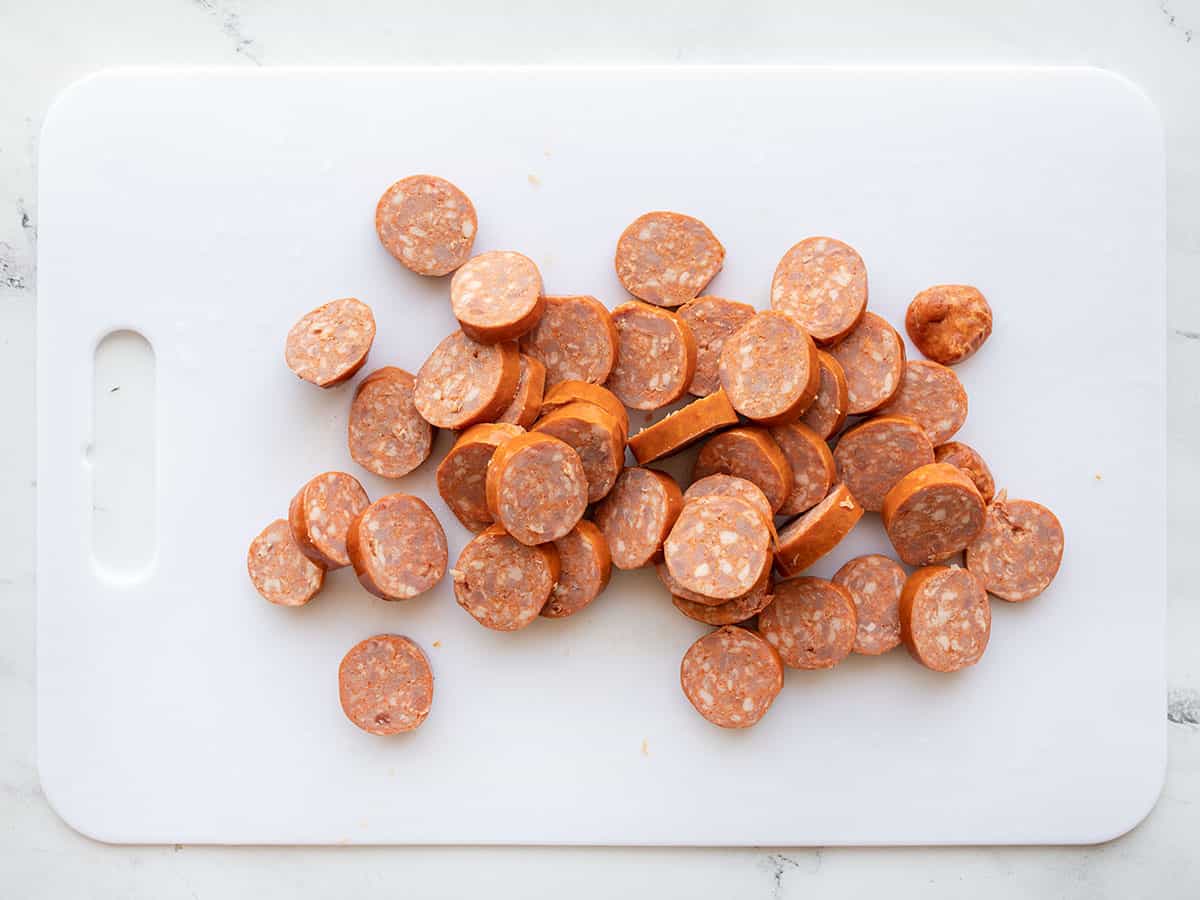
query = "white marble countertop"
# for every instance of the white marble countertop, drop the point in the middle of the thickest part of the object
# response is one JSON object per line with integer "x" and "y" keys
{"x": 46, "y": 45}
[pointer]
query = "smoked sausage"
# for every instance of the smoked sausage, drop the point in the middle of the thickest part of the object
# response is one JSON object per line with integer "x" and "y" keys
{"x": 945, "y": 618}
{"x": 536, "y": 487}
{"x": 386, "y": 434}
{"x": 503, "y": 583}
{"x": 397, "y": 547}
{"x": 637, "y": 516}
{"x": 932, "y": 513}
{"x": 385, "y": 684}
{"x": 328, "y": 345}
{"x": 320, "y": 515}
{"x": 731, "y": 676}
{"x": 667, "y": 258}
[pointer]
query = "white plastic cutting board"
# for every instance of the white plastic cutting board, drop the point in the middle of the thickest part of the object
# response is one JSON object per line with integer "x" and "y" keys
{"x": 207, "y": 210}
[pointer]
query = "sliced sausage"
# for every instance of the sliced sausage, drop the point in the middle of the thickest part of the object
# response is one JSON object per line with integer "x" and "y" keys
{"x": 462, "y": 474}
{"x": 575, "y": 339}
{"x": 387, "y": 435}
{"x": 731, "y": 486}
{"x": 1019, "y": 550}
{"x": 279, "y": 571}
{"x": 637, "y": 515}
{"x": 769, "y": 369}
{"x": 527, "y": 401}
{"x": 497, "y": 296}
{"x": 718, "y": 547}
{"x": 320, "y": 515}
{"x": 427, "y": 223}
{"x": 730, "y": 612}
{"x": 712, "y": 320}
{"x": 933, "y": 397}
{"x": 677, "y": 589}
{"x": 822, "y": 283}
{"x": 397, "y": 547}
{"x": 811, "y": 622}
{"x": 683, "y": 427}
{"x": 585, "y": 569}
{"x": 667, "y": 258}
{"x": 329, "y": 344}
{"x": 967, "y": 458}
{"x": 932, "y": 513}
{"x": 948, "y": 322}
{"x": 945, "y": 618}
{"x": 872, "y": 456}
{"x": 731, "y": 676}
{"x": 503, "y": 583}
{"x": 536, "y": 487}
{"x": 827, "y": 413}
{"x": 594, "y": 435}
{"x": 575, "y": 391}
{"x": 872, "y": 358}
{"x": 749, "y": 453}
{"x": 464, "y": 382}
{"x": 811, "y": 462}
{"x": 385, "y": 684}
{"x": 656, "y": 356}
{"x": 811, "y": 535}
{"x": 874, "y": 583}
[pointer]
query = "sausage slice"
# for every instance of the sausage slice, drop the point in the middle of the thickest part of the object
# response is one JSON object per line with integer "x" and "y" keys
{"x": 576, "y": 391}
{"x": 769, "y": 369}
{"x": 874, "y": 583}
{"x": 872, "y": 358}
{"x": 279, "y": 571}
{"x": 731, "y": 486}
{"x": 464, "y": 382}
{"x": 948, "y": 322}
{"x": 683, "y": 427}
{"x": 397, "y": 547}
{"x": 872, "y": 456}
{"x": 712, "y": 320}
{"x": 656, "y": 356}
{"x": 596, "y": 436}
{"x": 667, "y": 258}
{"x": 503, "y": 583}
{"x": 822, "y": 283}
{"x": 320, "y": 515}
{"x": 585, "y": 569}
{"x": 827, "y": 413}
{"x": 932, "y": 513}
{"x": 945, "y": 618}
{"x": 387, "y": 436}
{"x": 967, "y": 458}
{"x": 536, "y": 487}
{"x": 933, "y": 397}
{"x": 328, "y": 345}
{"x": 575, "y": 339}
{"x": 811, "y": 535}
{"x": 637, "y": 515}
{"x": 718, "y": 547}
{"x": 527, "y": 401}
{"x": 497, "y": 296}
{"x": 731, "y": 676}
{"x": 385, "y": 684}
{"x": 812, "y": 623}
{"x": 1019, "y": 550}
{"x": 811, "y": 462}
{"x": 749, "y": 453}
{"x": 462, "y": 474}
{"x": 427, "y": 223}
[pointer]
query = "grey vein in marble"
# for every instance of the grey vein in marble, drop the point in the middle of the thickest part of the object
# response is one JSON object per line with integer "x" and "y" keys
{"x": 231, "y": 26}
{"x": 1183, "y": 706}
{"x": 1172, "y": 23}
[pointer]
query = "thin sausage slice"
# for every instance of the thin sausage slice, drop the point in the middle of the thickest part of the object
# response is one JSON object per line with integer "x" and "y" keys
{"x": 427, "y": 223}
{"x": 575, "y": 339}
{"x": 769, "y": 369}
{"x": 667, "y": 258}
{"x": 812, "y": 623}
{"x": 932, "y": 513}
{"x": 945, "y": 618}
{"x": 730, "y": 612}
{"x": 329, "y": 344}
{"x": 1019, "y": 550}
{"x": 656, "y": 356}
{"x": 718, "y": 547}
{"x": 497, "y": 296}
{"x": 749, "y": 453}
{"x": 536, "y": 487}
{"x": 933, "y": 397}
{"x": 967, "y": 458}
{"x": 822, "y": 282}
{"x": 397, "y": 547}
{"x": 948, "y": 322}
{"x": 872, "y": 456}
{"x": 280, "y": 572}
{"x": 387, "y": 435}
{"x": 874, "y": 583}
{"x": 810, "y": 536}
{"x": 683, "y": 427}
{"x": 731, "y": 486}
{"x": 872, "y": 357}
{"x": 385, "y": 684}
{"x": 811, "y": 462}
{"x": 593, "y": 434}
{"x": 731, "y": 676}
{"x": 585, "y": 569}
{"x": 712, "y": 320}
{"x": 637, "y": 515}
{"x": 680, "y": 592}
{"x": 464, "y": 382}
{"x": 575, "y": 391}
{"x": 320, "y": 515}
{"x": 462, "y": 474}
{"x": 503, "y": 583}
{"x": 527, "y": 401}
{"x": 827, "y": 413}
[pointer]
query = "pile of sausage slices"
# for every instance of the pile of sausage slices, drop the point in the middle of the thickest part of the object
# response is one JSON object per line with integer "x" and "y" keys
{"x": 537, "y": 388}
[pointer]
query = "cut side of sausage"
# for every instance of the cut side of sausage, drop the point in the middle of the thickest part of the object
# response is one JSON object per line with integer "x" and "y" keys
{"x": 769, "y": 369}
{"x": 932, "y": 513}
{"x": 822, "y": 283}
{"x": 712, "y": 320}
{"x": 1019, "y": 550}
{"x": 729, "y": 612}
{"x": 731, "y": 486}
{"x": 503, "y": 583}
{"x": 812, "y": 623}
{"x": 462, "y": 474}
{"x": 945, "y": 618}
{"x": 718, "y": 547}
{"x": 637, "y": 515}
{"x": 874, "y": 583}
{"x": 387, "y": 436}
{"x": 527, "y": 401}
{"x": 683, "y": 427}
{"x": 749, "y": 453}
{"x": 464, "y": 382}
{"x": 279, "y": 571}
{"x": 385, "y": 684}
{"x": 677, "y": 590}
{"x": 810, "y": 536}
{"x": 594, "y": 435}
{"x": 575, "y": 339}
{"x": 656, "y": 356}
{"x": 933, "y": 397}
{"x": 497, "y": 296}
{"x": 397, "y": 547}
{"x": 811, "y": 462}
{"x": 827, "y": 413}
{"x": 872, "y": 456}
{"x": 328, "y": 345}
{"x": 967, "y": 458}
{"x": 536, "y": 487}
{"x": 585, "y": 569}
{"x": 872, "y": 358}
{"x": 581, "y": 391}
{"x": 320, "y": 515}
{"x": 667, "y": 258}
{"x": 731, "y": 676}
{"x": 427, "y": 223}
{"x": 948, "y": 322}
